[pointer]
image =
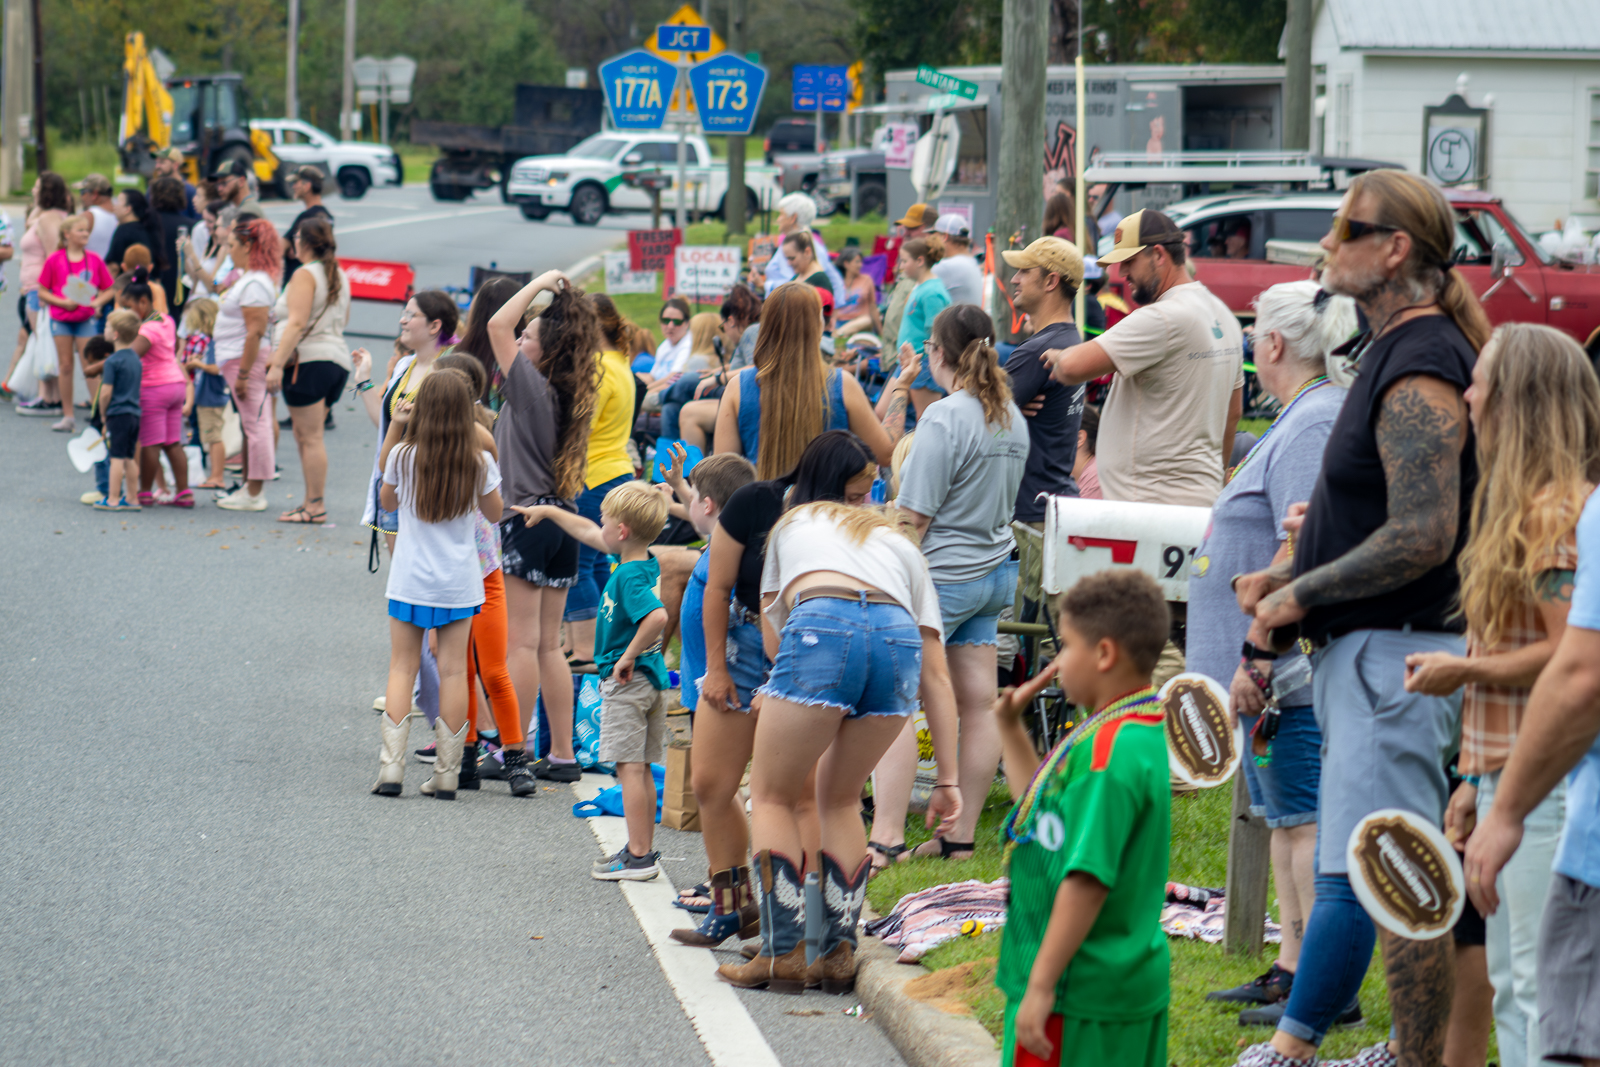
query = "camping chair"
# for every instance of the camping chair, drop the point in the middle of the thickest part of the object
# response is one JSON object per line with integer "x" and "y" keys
{"x": 1050, "y": 715}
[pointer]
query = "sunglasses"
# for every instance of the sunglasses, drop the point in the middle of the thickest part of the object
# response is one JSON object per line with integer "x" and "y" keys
{"x": 1345, "y": 229}
{"x": 672, "y": 322}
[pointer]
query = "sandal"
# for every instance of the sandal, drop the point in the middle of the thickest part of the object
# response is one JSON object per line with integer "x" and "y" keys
{"x": 147, "y": 500}
{"x": 212, "y": 483}
{"x": 696, "y": 900}
{"x": 302, "y": 517}
{"x": 947, "y": 848}
{"x": 184, "y": 499}
{"x": 890, "y": 853}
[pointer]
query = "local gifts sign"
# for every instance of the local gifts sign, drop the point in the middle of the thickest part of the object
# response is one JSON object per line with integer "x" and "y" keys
{"x": 706, "y": 272}
{"x": 652, "y": 249}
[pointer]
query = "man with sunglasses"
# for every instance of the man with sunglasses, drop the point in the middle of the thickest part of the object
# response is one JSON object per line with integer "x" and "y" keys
{"x": 1371, "y": 579}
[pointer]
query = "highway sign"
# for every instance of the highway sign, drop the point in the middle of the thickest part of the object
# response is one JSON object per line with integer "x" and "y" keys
{"x": 820, "y": 86}
{"x": 638, "y": 86}
{"x": 727, "y": 93}
{"x": 683, "y": 38}
{"x": 946, "y": 83}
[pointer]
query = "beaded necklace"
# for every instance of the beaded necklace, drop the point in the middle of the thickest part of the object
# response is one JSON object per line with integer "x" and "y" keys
{"x": 1019, "y": 825}
{"x": 1315, "y": 383}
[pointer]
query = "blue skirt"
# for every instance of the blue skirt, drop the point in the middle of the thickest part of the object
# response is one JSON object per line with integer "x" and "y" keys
{"x": 429, "y": 618}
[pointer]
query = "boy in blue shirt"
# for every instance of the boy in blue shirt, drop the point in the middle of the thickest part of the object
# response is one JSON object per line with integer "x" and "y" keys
{"x": 627, "y": 652}
{"x": 119, "y": 400}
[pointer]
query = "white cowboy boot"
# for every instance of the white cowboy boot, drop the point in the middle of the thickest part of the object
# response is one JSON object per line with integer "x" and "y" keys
{"x": 392, "y": 757}
{"x": 447, "y": 763}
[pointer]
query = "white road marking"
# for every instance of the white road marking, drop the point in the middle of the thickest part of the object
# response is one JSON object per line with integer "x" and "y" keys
{"x": 731, "y": 1038}
{"x": 407, "y": 221}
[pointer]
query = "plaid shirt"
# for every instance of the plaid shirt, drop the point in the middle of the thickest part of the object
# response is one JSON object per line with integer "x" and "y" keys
{"x": 1492, "y": 714}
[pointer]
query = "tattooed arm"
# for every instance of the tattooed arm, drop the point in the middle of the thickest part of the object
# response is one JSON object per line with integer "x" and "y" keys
{"x": 1422, "y": 428}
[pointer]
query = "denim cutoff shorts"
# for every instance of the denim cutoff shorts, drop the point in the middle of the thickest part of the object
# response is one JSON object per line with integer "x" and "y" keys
{"x": 971, "y": 610}
{"x": 863, "y": 658}
{"x": 1285, "y": 788}
{"x": 85, "y": 329}
{"x": 748, "y": 664}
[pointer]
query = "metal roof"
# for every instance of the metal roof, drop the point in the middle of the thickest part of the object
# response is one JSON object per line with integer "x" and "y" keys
{"x": 1467, "y": 25}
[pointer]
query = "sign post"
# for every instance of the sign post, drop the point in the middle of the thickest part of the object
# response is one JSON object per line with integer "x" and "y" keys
{"x": 683, "y": 40}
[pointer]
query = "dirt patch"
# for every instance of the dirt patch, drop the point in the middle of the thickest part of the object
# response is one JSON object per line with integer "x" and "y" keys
{"x": 950, "y": 990}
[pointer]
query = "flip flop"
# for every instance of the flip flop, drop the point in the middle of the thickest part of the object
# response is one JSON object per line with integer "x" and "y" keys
{"x": 301, "y": 517}
{"x": 210, "y": 484}
{"x": 184, "y": 499}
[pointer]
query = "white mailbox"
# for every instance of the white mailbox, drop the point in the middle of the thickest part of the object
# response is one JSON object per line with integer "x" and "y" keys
{"x": 1082, "y": 537}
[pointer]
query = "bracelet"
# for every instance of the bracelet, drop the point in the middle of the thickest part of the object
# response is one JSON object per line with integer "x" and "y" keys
{"x": 945, "y": 785}
{"x": 1257, "y": 677}
{"x": 364, "y": 385}
{"x": 1472, "y": 779}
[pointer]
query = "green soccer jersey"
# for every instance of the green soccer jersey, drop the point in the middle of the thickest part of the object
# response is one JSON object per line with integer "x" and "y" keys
{"x": 632, "y": 593}
{"x": 1106, "y": 813}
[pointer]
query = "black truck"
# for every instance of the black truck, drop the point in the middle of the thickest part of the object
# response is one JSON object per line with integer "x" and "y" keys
{"x": 549, "y": 119}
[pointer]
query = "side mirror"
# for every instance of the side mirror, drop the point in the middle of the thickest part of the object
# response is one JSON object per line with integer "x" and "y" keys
{"x": 1497, "y": 262}
{"x": 632, "y": 158}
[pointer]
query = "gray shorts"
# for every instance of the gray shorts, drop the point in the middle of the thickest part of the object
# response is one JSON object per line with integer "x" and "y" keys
{"x": 1569, "y": 971}
{"x": 633, "y": 721}
{"x": 1382, "y": 747}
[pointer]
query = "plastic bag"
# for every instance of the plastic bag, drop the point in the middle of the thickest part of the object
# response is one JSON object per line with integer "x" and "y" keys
{"x": 609, "y": 801}
{"x": 586, "y": 726}
{"x": 43, "y": 352}
{"x": 23, "y": 381}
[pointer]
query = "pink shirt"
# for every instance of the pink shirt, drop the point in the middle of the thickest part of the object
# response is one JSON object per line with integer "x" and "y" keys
{"x": 1089, "y": 482}
{"x": 159, "y": 365}
{"x": 34, "y": 252}
{"x": 53, "y": 280}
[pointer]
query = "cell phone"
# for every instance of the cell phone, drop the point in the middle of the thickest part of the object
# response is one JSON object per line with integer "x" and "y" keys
{"x": 1021, "y": 1057}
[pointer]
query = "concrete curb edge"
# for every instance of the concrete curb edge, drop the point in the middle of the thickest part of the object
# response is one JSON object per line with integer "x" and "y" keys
{"x": 584, "y": 267}
{"x": 924, "y": 1035}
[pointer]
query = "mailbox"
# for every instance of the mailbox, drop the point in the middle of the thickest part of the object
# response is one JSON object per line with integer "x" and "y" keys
{"x": 1082, "y": 537}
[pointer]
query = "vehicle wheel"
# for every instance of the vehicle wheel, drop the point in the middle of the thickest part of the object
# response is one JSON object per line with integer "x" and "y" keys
{"x": 353, "y": 183}
{"x": 588, "y": 205}
{"x": 752, "y": 206}
{"x": 449, "y": 192}
{"x": 534, "y": 212}
{"x": 872, "y": 198}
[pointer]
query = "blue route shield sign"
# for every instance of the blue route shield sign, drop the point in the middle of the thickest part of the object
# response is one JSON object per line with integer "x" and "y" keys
{"x": 823, "y": 85}
{"x": 727, "y": 93}
{"x": 638, "y": 88}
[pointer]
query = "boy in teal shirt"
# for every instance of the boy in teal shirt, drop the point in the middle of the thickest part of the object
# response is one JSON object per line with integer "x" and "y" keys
{"x": 627, "y": 652}
{"x": 1083, "y": 961}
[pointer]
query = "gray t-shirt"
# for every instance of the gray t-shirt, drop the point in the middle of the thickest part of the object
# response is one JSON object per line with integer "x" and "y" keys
{"x": 744, "y": 353}
{"x": 525, "y": 435}
{"x": 963, "y": 277}
{"x": 1246, "y": 528}
{"x": 963, "y": 474}
{"x": 122, "y": 372}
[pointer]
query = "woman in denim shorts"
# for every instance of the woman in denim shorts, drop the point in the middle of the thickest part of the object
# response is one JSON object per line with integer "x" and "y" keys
{"x": 851, "y": 619}
{"x": 837, "y": 466}
{"x": 958, "y": 487}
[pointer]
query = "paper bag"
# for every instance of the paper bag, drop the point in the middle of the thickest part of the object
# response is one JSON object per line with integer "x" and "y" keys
{"x": 679, "y": 809}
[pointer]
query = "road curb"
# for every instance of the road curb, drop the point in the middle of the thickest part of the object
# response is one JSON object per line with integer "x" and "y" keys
{"x": 584, "y": 267}
{"x": 924, "y": 1035}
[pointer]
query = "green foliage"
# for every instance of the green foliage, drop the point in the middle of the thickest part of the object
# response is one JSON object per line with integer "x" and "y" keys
{"x": 1182, "y": 31}
{"x": 893, "y": 35}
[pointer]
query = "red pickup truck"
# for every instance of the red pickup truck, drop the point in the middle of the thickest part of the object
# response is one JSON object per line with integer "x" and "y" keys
{"x": 1243, "y": 244}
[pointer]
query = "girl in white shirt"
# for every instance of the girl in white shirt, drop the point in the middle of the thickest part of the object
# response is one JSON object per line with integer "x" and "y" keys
{"x": 437, "y": 477}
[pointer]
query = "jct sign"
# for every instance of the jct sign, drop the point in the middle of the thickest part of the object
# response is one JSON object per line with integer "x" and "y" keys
{"x": 706, "y": 272}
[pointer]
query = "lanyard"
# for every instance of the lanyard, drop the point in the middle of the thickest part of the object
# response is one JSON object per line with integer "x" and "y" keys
{"x": 1313, "y": 384}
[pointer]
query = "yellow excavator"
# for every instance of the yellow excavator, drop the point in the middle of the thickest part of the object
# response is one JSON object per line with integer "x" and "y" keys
{"x": 202, "y": 115}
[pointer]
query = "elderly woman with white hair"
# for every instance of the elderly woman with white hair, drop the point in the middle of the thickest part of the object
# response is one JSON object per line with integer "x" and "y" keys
{"x": 1297, "y": 327}
{"x": 796, "y": 212}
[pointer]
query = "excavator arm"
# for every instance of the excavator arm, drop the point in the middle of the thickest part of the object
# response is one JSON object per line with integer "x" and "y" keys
{"x": 147, "y": 110}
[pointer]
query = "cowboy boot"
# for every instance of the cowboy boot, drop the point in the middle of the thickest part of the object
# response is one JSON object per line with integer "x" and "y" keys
{"x": 781, "y": 964}
{"x": 732, "y": 911}
{"x": 447, "y": 763}
{"x": 392, "y": 756}
{"x": 842, "y": 896}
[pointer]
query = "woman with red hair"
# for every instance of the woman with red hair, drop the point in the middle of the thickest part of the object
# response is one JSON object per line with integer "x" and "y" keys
{"x": 242, "y": 315}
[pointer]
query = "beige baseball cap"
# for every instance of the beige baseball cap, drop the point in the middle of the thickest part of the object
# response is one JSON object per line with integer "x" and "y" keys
{"x": 1054, "y": 254}
{"x": 1139, "y": 231}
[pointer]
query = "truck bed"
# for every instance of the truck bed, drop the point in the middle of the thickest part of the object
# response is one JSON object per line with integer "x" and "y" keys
{"x": 498, "y": 140}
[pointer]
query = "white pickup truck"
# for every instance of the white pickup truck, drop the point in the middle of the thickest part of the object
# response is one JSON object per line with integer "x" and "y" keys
{"x": 588, "y": 181}
{"x": 354, "y": 165}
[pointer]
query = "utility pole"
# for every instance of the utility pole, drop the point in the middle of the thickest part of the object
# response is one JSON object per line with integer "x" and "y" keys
{"x": 291, "y": 88}
{"x": 347, "y": 107}
{"x": 1297, "y": 83}
{"x": 1024, "y": 44}
{"x": 15, "y": 94}
{"x": 41, "y": 150}
{"x": 735, "y": 197}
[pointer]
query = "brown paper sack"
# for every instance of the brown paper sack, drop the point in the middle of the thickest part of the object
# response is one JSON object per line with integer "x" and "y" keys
{"x": 679, "y": 809}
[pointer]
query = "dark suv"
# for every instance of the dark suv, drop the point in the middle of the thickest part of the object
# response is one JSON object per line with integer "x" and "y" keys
{"x": 791, "y": 135}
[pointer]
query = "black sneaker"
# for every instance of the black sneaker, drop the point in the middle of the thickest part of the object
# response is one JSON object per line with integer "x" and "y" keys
{"x": 557, "y": 772}
{"x": 1266, "y": 989}
{"x": 519, "y": 776}
{"x": 427, "y": 753}
{"x": 1272, "y": 1014}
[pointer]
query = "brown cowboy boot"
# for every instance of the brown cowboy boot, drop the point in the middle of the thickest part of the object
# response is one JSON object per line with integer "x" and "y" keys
{"x": 732, "y": 911}
{"x": 781, "y": 964}
{"x": 842, "y": 896}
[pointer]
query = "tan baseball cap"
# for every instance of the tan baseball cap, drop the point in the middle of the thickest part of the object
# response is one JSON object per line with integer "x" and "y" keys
{"x": 98, "y": 184}
{"x": 1139, "y": 231}
{"x": 175, "y": 154}
{"x": 919, "y": 215}
{"x": 1054, "y": 254}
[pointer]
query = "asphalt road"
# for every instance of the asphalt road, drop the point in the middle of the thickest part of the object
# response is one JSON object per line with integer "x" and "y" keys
{"x": 193, "y": 869}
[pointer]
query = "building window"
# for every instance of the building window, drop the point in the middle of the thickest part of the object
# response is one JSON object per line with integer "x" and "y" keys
{"x": 1591, "y": 176}
{"x": 1343, "y": 93}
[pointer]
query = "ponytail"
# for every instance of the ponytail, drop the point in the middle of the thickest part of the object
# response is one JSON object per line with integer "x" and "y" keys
{"x": 1457, "y": 300}
{"x": 928, "y": 246}
{"x": 967, "y": 330}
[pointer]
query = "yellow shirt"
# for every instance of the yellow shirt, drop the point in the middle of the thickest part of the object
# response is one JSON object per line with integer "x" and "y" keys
{"x": 613, "y": 421}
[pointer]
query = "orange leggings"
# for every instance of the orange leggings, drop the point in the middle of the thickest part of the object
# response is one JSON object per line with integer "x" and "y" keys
{"x": 487, "y": 656}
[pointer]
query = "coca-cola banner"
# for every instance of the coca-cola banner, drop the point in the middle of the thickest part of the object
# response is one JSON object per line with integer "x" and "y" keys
{"x": 375, "y": 279}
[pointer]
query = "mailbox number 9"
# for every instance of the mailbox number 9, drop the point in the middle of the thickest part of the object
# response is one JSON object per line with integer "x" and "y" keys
{"x": 1173, "y": 558}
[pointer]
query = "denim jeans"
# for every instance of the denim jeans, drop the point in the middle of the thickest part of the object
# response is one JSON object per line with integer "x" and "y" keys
{"x": 594, "y": 568}
{"x": 1333, "y": 960}
{"x": 1512, "y": 941}
{"x": 102, "y": 476}
{"x": 678, "y": 394}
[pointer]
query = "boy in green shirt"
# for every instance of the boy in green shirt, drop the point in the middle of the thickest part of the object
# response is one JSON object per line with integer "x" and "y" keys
{"x": 1083, "y": 961}
{"x": 627, "y": 652}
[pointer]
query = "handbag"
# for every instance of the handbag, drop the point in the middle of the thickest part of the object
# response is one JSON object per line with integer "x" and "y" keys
{"x": 292, "y": 364}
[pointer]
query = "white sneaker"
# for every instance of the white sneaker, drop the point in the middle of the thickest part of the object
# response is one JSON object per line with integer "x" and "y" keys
{"x": 91, "y": 498}
{"x": 243, "y": 501}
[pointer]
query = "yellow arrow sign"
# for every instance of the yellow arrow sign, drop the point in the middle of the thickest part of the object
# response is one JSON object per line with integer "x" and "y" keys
{"x": 685, "y": 16}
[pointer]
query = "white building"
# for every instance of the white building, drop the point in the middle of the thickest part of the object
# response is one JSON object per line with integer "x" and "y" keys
{"x": 1535, "y": 66}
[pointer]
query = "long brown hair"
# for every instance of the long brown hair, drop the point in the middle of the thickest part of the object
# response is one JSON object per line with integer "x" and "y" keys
{"x": 1059, "y": 214}
{"x": 317, "y": 235}
{"x": 477, "y": 380}
{"x": 442, "y": 457}
{"x": 490, "y": 298}
{"x": 1416, "y": 206}
{"x": 1539, "y": 452}
{"x": 613, "y": 327}
{"x": 966, "y": 336}
{"x": 795, "y": 406}
{"x": 570, "y": 336}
